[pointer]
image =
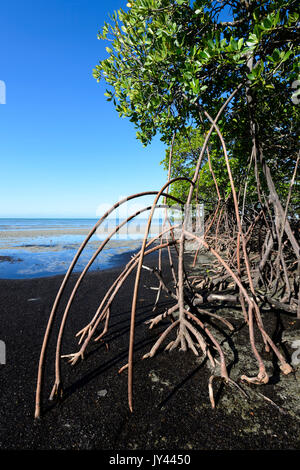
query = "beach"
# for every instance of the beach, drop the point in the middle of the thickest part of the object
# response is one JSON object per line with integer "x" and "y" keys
{"x": 46, "y": 247}
{"x": 171, "y": 405}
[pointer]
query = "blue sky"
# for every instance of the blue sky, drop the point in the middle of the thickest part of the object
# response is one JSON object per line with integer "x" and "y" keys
{"x": 63, "y": 148}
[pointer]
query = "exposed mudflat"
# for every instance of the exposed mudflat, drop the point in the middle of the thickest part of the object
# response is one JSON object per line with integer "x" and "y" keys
{"x": 172, "y": 410}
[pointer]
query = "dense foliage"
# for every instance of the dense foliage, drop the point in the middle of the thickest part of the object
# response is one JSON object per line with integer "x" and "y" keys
{"x": 185, "y": 153}
{"x": 170, "y": 61}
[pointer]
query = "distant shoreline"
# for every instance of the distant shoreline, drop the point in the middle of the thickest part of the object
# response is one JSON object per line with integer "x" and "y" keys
{"x": 48, "y": 232}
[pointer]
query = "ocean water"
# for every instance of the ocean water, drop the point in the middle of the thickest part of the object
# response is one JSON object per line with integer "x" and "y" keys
{"x": 44, "y": 223}
{"x": 42, "y": 247}
{"x": 12, "y": 224}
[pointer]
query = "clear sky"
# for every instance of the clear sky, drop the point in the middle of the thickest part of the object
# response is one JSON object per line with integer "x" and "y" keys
{"x": 63, "y": 148}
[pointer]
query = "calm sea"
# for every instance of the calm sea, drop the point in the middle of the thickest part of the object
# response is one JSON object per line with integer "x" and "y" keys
{"x": 43, "y": 247}
{"x": 44, "y": 223}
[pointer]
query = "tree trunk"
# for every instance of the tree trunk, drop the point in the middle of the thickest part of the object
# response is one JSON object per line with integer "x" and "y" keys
{"x": 280, "y": 218}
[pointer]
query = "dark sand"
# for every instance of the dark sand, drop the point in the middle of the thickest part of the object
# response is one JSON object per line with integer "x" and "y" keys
{"x": 171, "y": 405}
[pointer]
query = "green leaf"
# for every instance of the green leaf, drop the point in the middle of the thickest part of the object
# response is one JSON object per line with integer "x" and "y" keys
{"x": 276, "y": 55}
{"x": 204, "y": 55}
{"x": 286, "y": 55}
{"x": 223, "y": 43}
{"x": 267, "y": 23}
{"x": 251, "y": 76}
{"x": 293, "y": 17}
{"x": 233, "y": 45}
{"x": 236, "y": 57}
{"x": 252, "y": 40}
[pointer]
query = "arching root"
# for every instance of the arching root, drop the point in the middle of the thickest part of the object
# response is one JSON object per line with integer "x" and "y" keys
{"x": 227, "y": 381}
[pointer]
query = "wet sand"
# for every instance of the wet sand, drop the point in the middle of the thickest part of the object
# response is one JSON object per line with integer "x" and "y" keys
{"x": 46, "y": 252}
{"x": 4, "y": 234}
{"x": 101, "y": 231}
{"x": 119, "y": 245}
{"x": 172, "y": 410}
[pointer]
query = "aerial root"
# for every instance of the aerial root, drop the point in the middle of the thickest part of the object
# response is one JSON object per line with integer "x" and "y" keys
{"x": 285, "y": 368}
{"x": 227, "y": 381}
{"x": 157, "y": 297}
{"x": 255, "y": 392}
{"x": 183, "y": 338}
{"x": 243, "y": 392}
{"x": 160, "y": 340}
{"x": 217, "y": 317}
{"x": 233, "y": 269}
{"x": 84, "y": 332}
{"x": 190, "y": 342}
{"x": 261, "y": 378}
{"x": 57, "y": 391}
{"x": 168, "y": 347}
{"x": 173, "y": 344}
{"x": 210, "y": 391}
{"x": 232, "y": 382}
{"x": 281, "y": 410}
{"x": 198, "y": 336}
{"x": 123, "y": 368}
{"x": 74, "y": 357}
{"x": 154, "y": 321}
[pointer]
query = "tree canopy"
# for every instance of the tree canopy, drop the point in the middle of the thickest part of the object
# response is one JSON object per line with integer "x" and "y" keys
{"x": 170, "y": 61}
{"x": 165, "y": 56}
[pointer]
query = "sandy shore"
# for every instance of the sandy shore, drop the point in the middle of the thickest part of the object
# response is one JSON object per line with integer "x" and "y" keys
{"x": 45, "y": 252}
{"x": 102, "y": 230}
{"x": 54, "y": 240}
{"x": 119, "y": 245}
{"x": 4, "y": 234}
{"x": 171, "y": 405}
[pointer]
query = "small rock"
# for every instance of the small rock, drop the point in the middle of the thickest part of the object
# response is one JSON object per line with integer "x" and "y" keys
{"x": 154, "y": 378}
{"x": 102, "y": 393}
